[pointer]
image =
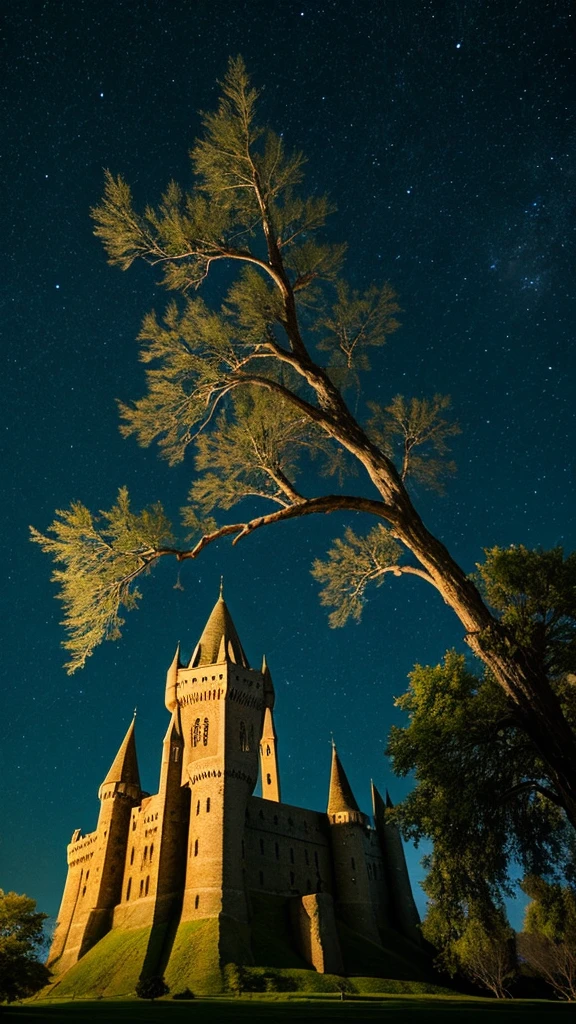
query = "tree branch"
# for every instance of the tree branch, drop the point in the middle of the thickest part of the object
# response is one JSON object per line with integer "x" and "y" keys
{"x": 532, "y": 784}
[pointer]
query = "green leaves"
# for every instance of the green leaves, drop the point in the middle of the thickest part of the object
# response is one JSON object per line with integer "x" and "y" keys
{"x": 352, "y": 564}
{"x": 359, "y": 322}
{"x": 414, "y": 432}
{"x": 101, "y": 558}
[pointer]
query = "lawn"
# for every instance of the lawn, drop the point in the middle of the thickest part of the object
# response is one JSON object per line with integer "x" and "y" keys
{"x": 424, "y": 1009}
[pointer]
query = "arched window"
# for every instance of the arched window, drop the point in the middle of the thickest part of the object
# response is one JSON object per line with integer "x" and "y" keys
{"x": 267, "y": 750}
{"x": 205, "y": 733}
{"x": 268, "y": 778}
{"x": 243, "y": 737}
{"x": 195, "y": 847}
{"x": 196, "y": 733}
{"x": 128, "y": 888}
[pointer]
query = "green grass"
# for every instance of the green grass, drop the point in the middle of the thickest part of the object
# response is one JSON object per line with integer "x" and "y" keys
{"x": 424, "y": 1010}
{"x": 111, "y": 968}
{"x": 194, "y": 960}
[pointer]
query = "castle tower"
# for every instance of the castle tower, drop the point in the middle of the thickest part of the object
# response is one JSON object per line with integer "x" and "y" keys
{"x": 221, "y": 701}
{"x": 95, "y": 862}
{"x": 268, "y": 742}
{"x": 405, "y": 916}
{"x": 347, "y": 827}
{"x": 155, "y": 856}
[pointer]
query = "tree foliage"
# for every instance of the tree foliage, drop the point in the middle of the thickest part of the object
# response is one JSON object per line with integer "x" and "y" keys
{"x": 152, "y": 988}
{"x": 485, "y": 953}
{"x": 548, "y": 941}
{"x": 258, "y": 383}
{"x": 21, "y": 941}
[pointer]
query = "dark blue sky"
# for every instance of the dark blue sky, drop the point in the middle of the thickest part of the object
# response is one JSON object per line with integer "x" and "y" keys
{"x": 445, "y": 132}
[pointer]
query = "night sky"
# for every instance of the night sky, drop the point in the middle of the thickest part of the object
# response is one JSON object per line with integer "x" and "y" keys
{"x": 445, "y": 132}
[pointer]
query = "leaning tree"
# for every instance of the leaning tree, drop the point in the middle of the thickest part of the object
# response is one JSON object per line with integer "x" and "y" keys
{"x": 259, "y": 383}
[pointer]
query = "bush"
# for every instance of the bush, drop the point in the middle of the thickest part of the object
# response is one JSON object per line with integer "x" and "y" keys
{"x": 185, "y": 994}
{"x": 152, "y": 988}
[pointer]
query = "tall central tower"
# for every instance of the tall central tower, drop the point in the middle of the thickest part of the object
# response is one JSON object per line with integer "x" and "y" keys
{"x": 221, "y": 702}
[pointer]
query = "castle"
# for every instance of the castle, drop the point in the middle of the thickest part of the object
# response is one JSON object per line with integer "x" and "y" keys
{"x": 204, "y": 852}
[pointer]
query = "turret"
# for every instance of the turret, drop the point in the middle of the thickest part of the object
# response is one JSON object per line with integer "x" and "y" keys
{"x": 95, "y": 881}
{"x": 403, "y": 908}
{"x": 347, "y": 827}
{"x": 172, "y": 680}
{"x": 221, "y": 702}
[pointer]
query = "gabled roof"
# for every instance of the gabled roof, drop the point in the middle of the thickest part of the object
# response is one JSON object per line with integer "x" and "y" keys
{"x": 125, "y": 765}
{"x": 340, "y": 797}
{"x": 219, "y": 641}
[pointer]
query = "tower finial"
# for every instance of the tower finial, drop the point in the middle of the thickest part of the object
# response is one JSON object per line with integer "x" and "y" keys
{"x": 222, "y": 587}
{"x": 135, "y": 712}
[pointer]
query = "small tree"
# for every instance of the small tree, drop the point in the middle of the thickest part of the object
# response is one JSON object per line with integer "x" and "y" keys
{"x": 152, "y": 988}
{"x": 548, "y": 942}
{"x": 485, "y": 953}
{"x": 21, "y": 941}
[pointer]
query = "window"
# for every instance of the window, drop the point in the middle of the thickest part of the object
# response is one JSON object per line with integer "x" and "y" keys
{"x": 243, "y": 737}
{"x": 262, "y": 846}
{"x": 207, "y": 805}
{"x": 175, "y": 754}
{"x": 269, "y": 778}
{"x": 128, "y": 889}
{"x": 198, "y": 808}
{"x": 353, "y": 863}
{"x": 196, "y": 733}
{"x": 147, "y": 885}
{"x": 133, "y": 823}
{"x": 205, "y": 733}
{"x": 195, "y": 847}
{"x": 267, "y": 750}
{"x": 84, "y": 891}
{"x": 131, "y": 859}
{"x": 197, "y": 902}
{"x": 145, "y": 857}
{"x": 141, "y": 886}
{"x": 151, "y": 852}
{"x": 275, "y": 819}
{"x": 87, "y": 875}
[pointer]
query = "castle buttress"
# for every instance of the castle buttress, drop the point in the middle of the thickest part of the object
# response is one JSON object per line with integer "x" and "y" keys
{"x": 205, "y": 849}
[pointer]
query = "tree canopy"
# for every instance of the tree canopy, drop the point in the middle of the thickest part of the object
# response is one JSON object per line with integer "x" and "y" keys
{"x": 21, "y": 941}
{"x": 259, "y": 383}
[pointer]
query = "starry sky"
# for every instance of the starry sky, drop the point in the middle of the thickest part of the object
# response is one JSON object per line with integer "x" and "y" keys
{"x": 446, "y": 134}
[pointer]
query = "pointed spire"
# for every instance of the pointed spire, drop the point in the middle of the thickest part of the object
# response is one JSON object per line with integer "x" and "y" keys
{"x": 172, "y": 680}
{"x": 174, "y": 730}
{"x": 268, "y": 727}
{"x": 378, "y": 804}
{"x": 267, "y": 684}
{"x": 219, "y": 641}
{"x": 125, "y": 765}
{"x": 341, "y": 797}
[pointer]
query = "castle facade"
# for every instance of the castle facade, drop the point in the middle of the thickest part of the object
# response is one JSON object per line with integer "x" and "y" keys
{"x": 205, "y": 848}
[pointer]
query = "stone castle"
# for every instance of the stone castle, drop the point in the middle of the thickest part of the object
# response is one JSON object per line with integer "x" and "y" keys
{"x": 204, "y": 848}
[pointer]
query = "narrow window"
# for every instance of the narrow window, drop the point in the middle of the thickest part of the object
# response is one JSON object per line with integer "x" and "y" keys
{"x": 353, "y": 863}
{"x": 243, "y": 740}
{"x": 291, "y": 855}
{"x": 275, "y": 819}
{"x": 87, "y": 875}
{"x": 207, "y": 805}
{"x": 133, "y": 824}
{"x": 151, "y": 852}
{"x": 197, "y": 902}
{"x": 196, "y": 733}
{"x": 195, "y": 847}
{"x": 145, "y": 857}
{"x": 175, "y": 754}
{"x": 268, "y": 778}
{"x": 132, "y": 857}
{"x": 261, "y": 876}
{"x": 84, "y": 891}
{"x": 291, "y": 878}
{"x": 147, "y": 885}
{"x": 267, "y": 750}
{"x": 198, "y": 808}
{"x": 277, "y": 848}
{"x": 261, "y": 846}
{"x": 128, "y": 889}
{"x": 205, "y": 733}
{"x": 141, "y": 886}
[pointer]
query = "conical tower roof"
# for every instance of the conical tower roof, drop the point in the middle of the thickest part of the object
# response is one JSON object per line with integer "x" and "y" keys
{"x": 125, "y": 765}
{"x": 340, "y": 797}
{"x": 219, "y": 641}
